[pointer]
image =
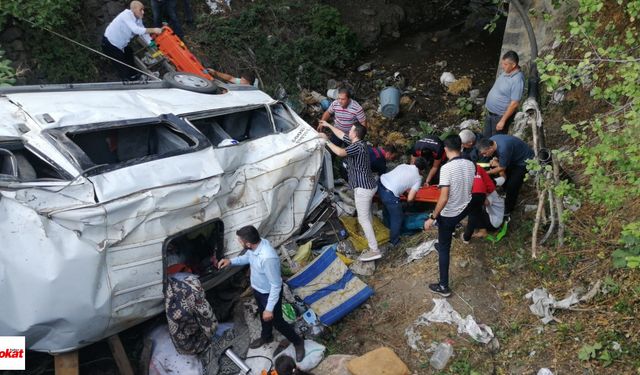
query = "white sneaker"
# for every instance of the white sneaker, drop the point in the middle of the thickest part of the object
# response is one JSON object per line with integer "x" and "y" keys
{"x": 369, "y": 256}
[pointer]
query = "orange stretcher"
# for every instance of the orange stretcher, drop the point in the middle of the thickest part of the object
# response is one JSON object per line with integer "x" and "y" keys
{"x": 177, "y": 52}
{"x": 429, "y": 194}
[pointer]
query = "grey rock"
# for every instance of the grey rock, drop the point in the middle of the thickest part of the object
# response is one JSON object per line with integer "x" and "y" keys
{"x": 363, "y": 268}
{"x": 395, "y": 34}
{"x": 473, "y": 94}
{"x": 413, "y": 132}
{"x": 332, "y": 84}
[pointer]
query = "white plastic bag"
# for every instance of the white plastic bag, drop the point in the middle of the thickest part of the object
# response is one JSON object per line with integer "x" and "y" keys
{"x": 165, "y": 359}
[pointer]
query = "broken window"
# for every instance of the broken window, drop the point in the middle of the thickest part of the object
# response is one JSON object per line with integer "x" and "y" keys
{"x": 196, "y": 250}
{"x": 19, "y": 163}
{"x": 282, "y": 118}
{"x": 107, "y": 147}
{"x": 232, "y": 128}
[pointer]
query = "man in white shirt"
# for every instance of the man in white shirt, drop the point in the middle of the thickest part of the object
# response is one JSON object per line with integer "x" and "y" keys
{"x": 123, "y": 28}
{"x": 392, "y": 185}
{"x": 456, "y": 182}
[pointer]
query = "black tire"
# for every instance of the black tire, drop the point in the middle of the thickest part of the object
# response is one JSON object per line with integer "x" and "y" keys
{"x": 189, "y": 82}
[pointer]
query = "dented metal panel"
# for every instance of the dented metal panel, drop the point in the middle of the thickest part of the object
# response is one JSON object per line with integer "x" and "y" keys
{"x": 82, "y": 259}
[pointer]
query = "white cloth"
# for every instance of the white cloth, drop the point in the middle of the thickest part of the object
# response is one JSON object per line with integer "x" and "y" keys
{"x": 458, "y": 175}
{"x": 402, "y": 178}
{"x": 123, "y": 28}
{"x": 363, "y": 198}
{"x": 495, "y": 209}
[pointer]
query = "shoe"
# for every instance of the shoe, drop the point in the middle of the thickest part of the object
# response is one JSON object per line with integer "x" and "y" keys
{"x": 281, "y": 346}
{"x": 466, "y": 242}
{"x": 506, "y": 218}
{"x": 439, "y": 289}
{"x": 369, "y": 256}
{"x": 255, "y": 344}
{"x": 299, "y": 351}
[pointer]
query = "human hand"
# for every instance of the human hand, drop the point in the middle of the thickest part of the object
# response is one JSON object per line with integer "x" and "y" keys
{"x": 267, "y": 315}
{"x": 156, "y": 30}
{"x": 428, "y": 224}
{"x": 500, "y": 125}
{"x": 323, "y": 136}
{"x": 224, "y": 263}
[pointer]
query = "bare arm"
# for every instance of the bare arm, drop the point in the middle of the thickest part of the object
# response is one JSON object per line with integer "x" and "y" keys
{"x": 433, "y": 171}
{"x": 224, "y": 76}
{"x": 412, "y": 195}
{"x": 339, "y": 151}
{"x": 442, "y": 201}
{"x": 337, "y": 132}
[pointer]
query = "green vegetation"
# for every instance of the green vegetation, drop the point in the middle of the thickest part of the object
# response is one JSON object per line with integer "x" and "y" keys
{"x": 296, "y": 44}
{"x": 53, "y": 59}
{"x": 7, "y": 74}
{"x": 606, "y": 149}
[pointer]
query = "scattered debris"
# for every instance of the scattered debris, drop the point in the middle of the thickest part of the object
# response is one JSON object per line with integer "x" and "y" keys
{"x": 381, "y": 361}
{"x": 473, "y": 94}
{"x": 460, "y": 86}
{"x": 219, "y": 6}
{"x": 447, "y": 79}
{"x": 544, "y": 371}
{"x": 420, "y": 251}
{"x": 332, "y": 93}
{"x": 442, "y": 312}
{"x": 544, "y": 304}
{"x": 364, "y": 67}
{"x": 329, "y": 287}
{"x": 390, "y": 102}
{"x": 441, "y": 64}
{"x": 363, "y": 268}
{"x": 166, "y": 360}
{"x": 441, "y": 355}
{"x": 469, "y": 124}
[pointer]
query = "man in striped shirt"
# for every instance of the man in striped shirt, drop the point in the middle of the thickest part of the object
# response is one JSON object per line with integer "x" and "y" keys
{"x": 360, "y": 178}
{"x": 456, "y": 181}
{"x": 346, "y": 112}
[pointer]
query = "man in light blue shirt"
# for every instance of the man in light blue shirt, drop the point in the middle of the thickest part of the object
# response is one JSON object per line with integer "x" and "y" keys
{"x": 504, "y": 98}
{"x": 266, "y": 282}
{"x": 115, "y": 42}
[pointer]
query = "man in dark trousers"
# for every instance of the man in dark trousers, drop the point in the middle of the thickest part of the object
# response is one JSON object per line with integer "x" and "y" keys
{"x": 118, "y": 34}
{"x": 266, "y": 282}
{"x": 512, "y": 154}
{"x": 456, "y": 181}
{"x": 431, "y": 148}
{"x": 505, "y": 95}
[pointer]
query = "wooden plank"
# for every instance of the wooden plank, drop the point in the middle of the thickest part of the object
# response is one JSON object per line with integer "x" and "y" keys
{"x": 67, "y": 363}
{"x": 120, "y": 355}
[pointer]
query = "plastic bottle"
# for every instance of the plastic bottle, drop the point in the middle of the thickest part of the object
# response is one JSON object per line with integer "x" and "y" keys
{"x": 441, "y": 355}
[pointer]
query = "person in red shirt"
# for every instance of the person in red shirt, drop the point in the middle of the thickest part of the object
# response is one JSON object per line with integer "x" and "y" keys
{"x": 483, "y": 185}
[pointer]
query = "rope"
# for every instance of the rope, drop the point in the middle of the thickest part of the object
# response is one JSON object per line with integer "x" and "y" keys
{"x": 89, "y": 48}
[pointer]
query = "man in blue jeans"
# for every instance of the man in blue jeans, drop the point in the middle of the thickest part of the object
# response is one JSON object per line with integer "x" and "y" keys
{"x": 392, "y": 185}
{"x": 456, "y": 182}
{"x": 266, "y": 282}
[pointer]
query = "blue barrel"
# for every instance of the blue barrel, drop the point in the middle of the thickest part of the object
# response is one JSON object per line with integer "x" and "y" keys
{"x": 390, "y": 102}
{"x": 325, "y": 103}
